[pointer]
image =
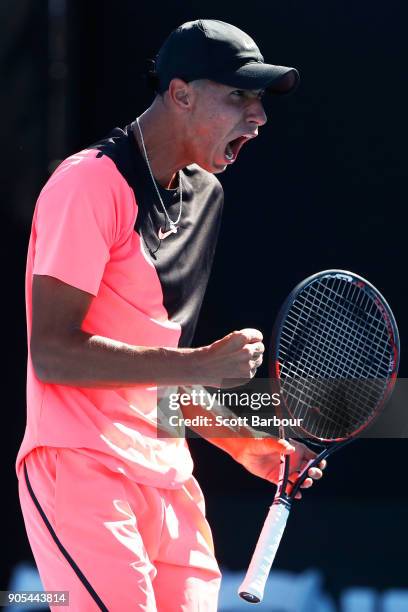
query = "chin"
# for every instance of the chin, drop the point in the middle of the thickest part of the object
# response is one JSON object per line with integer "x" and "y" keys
{"x": 212, "y": 167}
{"x": 217, "y": 166}
{"x": 219, "y": 170}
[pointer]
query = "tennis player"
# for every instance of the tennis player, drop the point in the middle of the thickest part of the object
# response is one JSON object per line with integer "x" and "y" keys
{"x": 121, "y": 248}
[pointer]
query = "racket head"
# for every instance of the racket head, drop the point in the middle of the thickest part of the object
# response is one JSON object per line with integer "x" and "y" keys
{"x": 334, "y": 355}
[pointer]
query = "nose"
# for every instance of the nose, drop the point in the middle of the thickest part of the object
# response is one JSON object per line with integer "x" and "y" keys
{"x": 256, "y": 113}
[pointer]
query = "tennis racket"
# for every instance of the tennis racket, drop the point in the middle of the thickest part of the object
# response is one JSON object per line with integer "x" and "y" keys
{"x": 334, "y": 362}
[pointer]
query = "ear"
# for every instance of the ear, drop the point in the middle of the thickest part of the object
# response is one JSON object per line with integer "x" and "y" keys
{"x": 181, "y": 94}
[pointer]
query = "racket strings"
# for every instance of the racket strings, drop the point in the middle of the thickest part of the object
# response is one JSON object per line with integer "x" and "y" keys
{"x": 365, "y": 335}
{"x": 331, "y": 345}
{"x": 344, "y": 372}
{"x": 368, "y": 335}
{"x": 330, "y": 399}
{"x": 338, "y": 339}
{"x": 305, "y": 390}
{"x": 329, "y": 412}
{"x": 337, "y": 333}
{"x": 334, "y": 356}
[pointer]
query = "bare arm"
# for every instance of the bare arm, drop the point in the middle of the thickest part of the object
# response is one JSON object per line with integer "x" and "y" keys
{"x": 256, "y": 450}
{"x": 63, "y": 353}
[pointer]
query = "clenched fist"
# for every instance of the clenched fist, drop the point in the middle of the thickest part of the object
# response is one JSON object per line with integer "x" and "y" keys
{"x": 236, "y": 356}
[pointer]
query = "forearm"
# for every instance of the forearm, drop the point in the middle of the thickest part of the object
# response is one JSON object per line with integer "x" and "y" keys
{"x": 259, "y": 452}
{"x": 86, "y": 360}
{"x": 227, "y": 436}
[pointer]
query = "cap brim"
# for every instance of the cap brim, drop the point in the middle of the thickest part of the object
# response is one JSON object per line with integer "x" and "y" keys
{"x": 256, "y": 75}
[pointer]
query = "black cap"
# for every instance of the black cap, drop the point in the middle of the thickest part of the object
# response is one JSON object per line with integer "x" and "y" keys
{"x": 215, "y": 50}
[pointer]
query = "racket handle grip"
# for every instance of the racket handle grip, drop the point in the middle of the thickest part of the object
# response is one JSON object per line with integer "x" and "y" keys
{"x": 253, "y": 586}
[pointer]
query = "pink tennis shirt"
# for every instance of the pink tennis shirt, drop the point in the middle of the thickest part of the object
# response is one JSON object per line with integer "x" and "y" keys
{"x": 95, "y": 227}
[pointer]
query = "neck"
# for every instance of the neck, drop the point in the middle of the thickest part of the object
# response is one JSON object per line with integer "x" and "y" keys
{"x": 162, "y": 142}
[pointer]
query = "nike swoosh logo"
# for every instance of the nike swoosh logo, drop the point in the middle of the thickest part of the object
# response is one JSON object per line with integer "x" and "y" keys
{"x": 162, "y": 235}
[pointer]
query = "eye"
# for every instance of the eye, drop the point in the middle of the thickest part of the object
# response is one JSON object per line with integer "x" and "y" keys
{"x": 248, "y": 94}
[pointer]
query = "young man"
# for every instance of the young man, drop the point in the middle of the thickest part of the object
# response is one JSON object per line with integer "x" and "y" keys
{"x": 120, "y": 253}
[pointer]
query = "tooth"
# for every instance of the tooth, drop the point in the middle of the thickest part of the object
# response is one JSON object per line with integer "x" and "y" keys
{"x": 228, "y": 152}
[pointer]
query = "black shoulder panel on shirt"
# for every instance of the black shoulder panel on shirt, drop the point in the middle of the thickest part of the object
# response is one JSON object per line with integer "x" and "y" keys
{"x": 182, "y": 260}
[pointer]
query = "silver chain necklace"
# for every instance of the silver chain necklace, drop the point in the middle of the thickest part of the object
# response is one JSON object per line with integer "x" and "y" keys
{"x": 173, "y": 224}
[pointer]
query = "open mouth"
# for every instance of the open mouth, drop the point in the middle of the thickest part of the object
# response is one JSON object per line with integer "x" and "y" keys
{"x": 233, "y": 147}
